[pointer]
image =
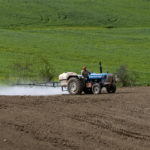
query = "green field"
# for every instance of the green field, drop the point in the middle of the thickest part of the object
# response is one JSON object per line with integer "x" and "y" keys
{"x": 72, "y": 33}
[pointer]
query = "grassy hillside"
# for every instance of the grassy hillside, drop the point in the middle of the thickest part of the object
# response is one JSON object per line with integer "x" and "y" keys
{"x": 72, "y": 33}
{"x": 70, "y": 48}
{"x": 106, "y": 13}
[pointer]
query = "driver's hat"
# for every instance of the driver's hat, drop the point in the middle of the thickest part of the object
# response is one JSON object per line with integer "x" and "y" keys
{"x": 84, "y": 67}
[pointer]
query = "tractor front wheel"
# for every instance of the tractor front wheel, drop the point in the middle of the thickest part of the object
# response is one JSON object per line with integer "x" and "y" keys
{"x": 111, "y": 88}
{"x": 96, "y": 88}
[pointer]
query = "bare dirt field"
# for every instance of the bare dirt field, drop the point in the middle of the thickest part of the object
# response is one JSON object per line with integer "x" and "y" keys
{"x": 118, "y": 121}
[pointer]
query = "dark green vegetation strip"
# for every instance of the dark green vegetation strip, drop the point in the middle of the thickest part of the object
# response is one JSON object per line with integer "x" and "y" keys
{"x": 72, "y": 33}
{"x": 107, "y": 13}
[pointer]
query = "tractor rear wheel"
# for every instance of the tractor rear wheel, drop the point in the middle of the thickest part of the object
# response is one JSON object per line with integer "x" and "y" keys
{"x": 75, "y": 86}
{"x": 111, "y": 88}
{"x": 96, "y": 88}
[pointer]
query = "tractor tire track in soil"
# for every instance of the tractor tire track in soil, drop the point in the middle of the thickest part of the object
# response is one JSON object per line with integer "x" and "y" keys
{"x": 83, "y": 122}
{"x": 103, "y": 125}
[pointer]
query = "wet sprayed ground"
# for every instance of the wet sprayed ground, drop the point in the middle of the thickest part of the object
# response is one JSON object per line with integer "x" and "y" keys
{"x": 118, "y": 121}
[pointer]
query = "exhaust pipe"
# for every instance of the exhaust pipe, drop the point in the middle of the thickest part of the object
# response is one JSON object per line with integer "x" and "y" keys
{"x": 101, "y": 69}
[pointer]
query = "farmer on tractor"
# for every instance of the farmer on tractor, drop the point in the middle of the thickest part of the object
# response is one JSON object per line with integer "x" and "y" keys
{"x": 85, "y": 73}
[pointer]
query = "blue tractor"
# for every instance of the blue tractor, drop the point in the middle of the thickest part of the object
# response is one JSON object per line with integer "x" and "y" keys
{"x": 96, "y": 81}
{"x": 77, "y": 84}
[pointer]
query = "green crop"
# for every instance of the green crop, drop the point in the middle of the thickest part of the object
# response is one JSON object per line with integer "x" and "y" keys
{"x": 73, "y": 33}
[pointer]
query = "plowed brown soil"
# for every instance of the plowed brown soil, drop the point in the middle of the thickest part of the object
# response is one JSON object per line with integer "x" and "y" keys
{"x": 118, "y": 121}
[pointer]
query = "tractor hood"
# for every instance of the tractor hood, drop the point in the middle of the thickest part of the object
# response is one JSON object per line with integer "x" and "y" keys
{"x": 98, "y": 76}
